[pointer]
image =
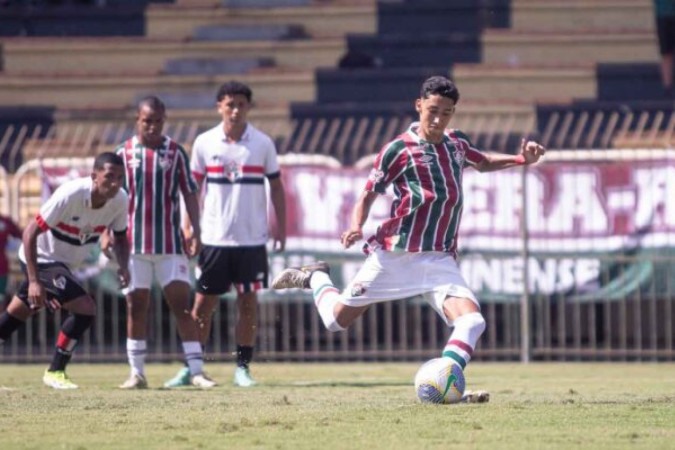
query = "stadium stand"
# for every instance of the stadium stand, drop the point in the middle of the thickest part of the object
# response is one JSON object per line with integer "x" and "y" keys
{"x": 187, "y": 49}
{"x": 563, "y": 68}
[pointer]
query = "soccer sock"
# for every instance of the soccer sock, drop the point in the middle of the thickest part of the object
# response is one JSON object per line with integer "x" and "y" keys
{"x": 8, "y": 325}
{"x": 71, "y": 332}
{"x": 464, "y": 337}
{"x": 244, "y": 355}
{"x": 194, "y": 357}
{"x": 326, "y": 296}
{"x": 136, "y": 351}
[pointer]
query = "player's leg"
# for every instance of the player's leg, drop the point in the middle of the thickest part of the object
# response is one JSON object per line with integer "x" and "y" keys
{"x": 16, "y": 314}
{"x": 172, "y": 274}
{"x": 468, "y": 326}
{"x": 249, "y": 271}
{"x": 245, "y": 336}
{"x": 213, "y": 280}
{"x": 138, "y": 306}
{"x": 454, "y": 301}
{"x": 64, "y": 291}
{"x": 82, "y": 312}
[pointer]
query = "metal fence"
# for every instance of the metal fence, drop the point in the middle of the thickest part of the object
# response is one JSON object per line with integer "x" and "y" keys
{"x": 630, "y": 316}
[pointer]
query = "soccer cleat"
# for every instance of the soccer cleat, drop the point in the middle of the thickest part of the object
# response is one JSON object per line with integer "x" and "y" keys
{"x": 182, "y": 378}
{"x": 243, "y": 378}
{"x": 58, "y": 380}
{"x": 475, "y": 397}
{"x": 201, "y": 380}
{"x": 298, "y": 277}
{"x": 135, "y": 381}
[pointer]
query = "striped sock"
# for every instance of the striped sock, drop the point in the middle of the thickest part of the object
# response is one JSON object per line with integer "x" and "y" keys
{"x": 463, "y": 340}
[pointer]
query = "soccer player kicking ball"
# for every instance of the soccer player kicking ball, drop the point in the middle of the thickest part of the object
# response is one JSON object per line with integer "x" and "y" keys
{"x": 68, "y": 225}
{"x": 414, "y": 252}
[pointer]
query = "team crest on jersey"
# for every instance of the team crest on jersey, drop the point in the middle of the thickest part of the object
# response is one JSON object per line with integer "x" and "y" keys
{"x": 376, "y": 176}
{"x": 232, "y": 170}
{"x": 358, "y": 290}
{"x": 165, "y": 158}
{"x": 60, "y": 282}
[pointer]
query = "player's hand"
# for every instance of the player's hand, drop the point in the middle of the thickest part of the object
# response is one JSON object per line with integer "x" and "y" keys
{"x": 192, "y": 245}
{"x": 106, "y": 242}
{"x": 123, "y": 276}
{"x": 531, "y": 151}
{"x": 37, "y": 296}
{"x": 351, "y": 236}
{"x": 279, "y": 244}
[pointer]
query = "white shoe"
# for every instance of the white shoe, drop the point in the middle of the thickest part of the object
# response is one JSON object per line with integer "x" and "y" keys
{"x": 298, "y": 277}
{"x": 135, "y": 381}
{"x": 475, "y": 397}
{"x": 201, "y": 380}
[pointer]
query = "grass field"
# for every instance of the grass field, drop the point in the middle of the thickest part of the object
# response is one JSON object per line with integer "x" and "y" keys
{"x": 344, "y": 406}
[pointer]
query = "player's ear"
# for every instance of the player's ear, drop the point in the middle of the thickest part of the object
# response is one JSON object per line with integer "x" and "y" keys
{"x": 418, "y": 105}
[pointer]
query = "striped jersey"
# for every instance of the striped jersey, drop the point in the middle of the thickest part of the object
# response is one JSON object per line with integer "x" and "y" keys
{"x": 154, "y": 178}
{"x": 234, "y": 194}
{"x": 427, "y": 182}
{"x": 72, "y": 227}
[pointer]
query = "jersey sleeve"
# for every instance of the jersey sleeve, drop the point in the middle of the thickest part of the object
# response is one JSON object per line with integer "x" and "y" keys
{"x": 187, "y": 182}
{"x": 272, "y": 169}
{"x": 120, "y": 220}
{"x": 390, "y": 163}
{"x": 197, "y": 161}
{"x": 472, "y": 156}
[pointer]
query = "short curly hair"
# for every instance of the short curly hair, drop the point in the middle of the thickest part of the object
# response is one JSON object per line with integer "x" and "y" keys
{"x": 438, "y": 85}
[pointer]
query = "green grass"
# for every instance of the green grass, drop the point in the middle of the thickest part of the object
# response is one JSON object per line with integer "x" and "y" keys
{"x": 344, "y": 406}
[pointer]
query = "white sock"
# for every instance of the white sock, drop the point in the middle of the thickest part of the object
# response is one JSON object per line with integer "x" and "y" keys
{"x": 326, "y": 296}
{"x": 136, "y": 351}
{"x": 194, "y": 357}
{"x": 463, "y": 340}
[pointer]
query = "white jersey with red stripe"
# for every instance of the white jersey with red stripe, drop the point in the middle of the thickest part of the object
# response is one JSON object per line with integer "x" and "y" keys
{"x": 72, "y": 227}
{"x": 234, "y": 209}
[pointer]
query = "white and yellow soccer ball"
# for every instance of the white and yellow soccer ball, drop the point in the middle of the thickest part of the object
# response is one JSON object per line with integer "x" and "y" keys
{"x": 439, "y": 380}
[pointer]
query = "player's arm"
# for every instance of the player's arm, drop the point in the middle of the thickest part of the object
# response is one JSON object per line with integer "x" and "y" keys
{"x": 530, "y": 152}
{"x": 36, "y": 291}
{"x": 121, "y": 249}
{"x": 359, "y": 216}
{"x": 192, "y": 208}
{"x": 278, "y": 196}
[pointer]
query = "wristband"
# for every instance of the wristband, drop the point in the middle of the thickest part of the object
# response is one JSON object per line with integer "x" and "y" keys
{"x": 520, "y": 160}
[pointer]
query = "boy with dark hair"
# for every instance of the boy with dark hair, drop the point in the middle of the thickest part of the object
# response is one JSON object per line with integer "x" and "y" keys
{"x": 414, "y": 252}
{"x": 59, "y": 239}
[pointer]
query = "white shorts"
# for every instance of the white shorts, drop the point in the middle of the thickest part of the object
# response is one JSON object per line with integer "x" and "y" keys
{"x": 387, "y": 276}
{"x": 164, "y": 268}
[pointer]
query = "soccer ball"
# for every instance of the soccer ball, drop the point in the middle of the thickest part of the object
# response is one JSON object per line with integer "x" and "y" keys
{"x": 439, "y": 380}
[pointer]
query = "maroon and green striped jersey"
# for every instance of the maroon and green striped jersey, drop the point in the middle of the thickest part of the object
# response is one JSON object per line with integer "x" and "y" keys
{"x": 154, "y": 179}
{"x": 427, "y": 182}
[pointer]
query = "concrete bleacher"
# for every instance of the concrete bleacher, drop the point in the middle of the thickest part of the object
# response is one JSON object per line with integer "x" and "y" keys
{"x": 544, "y": 59}
{"x": 189, "y": 48}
